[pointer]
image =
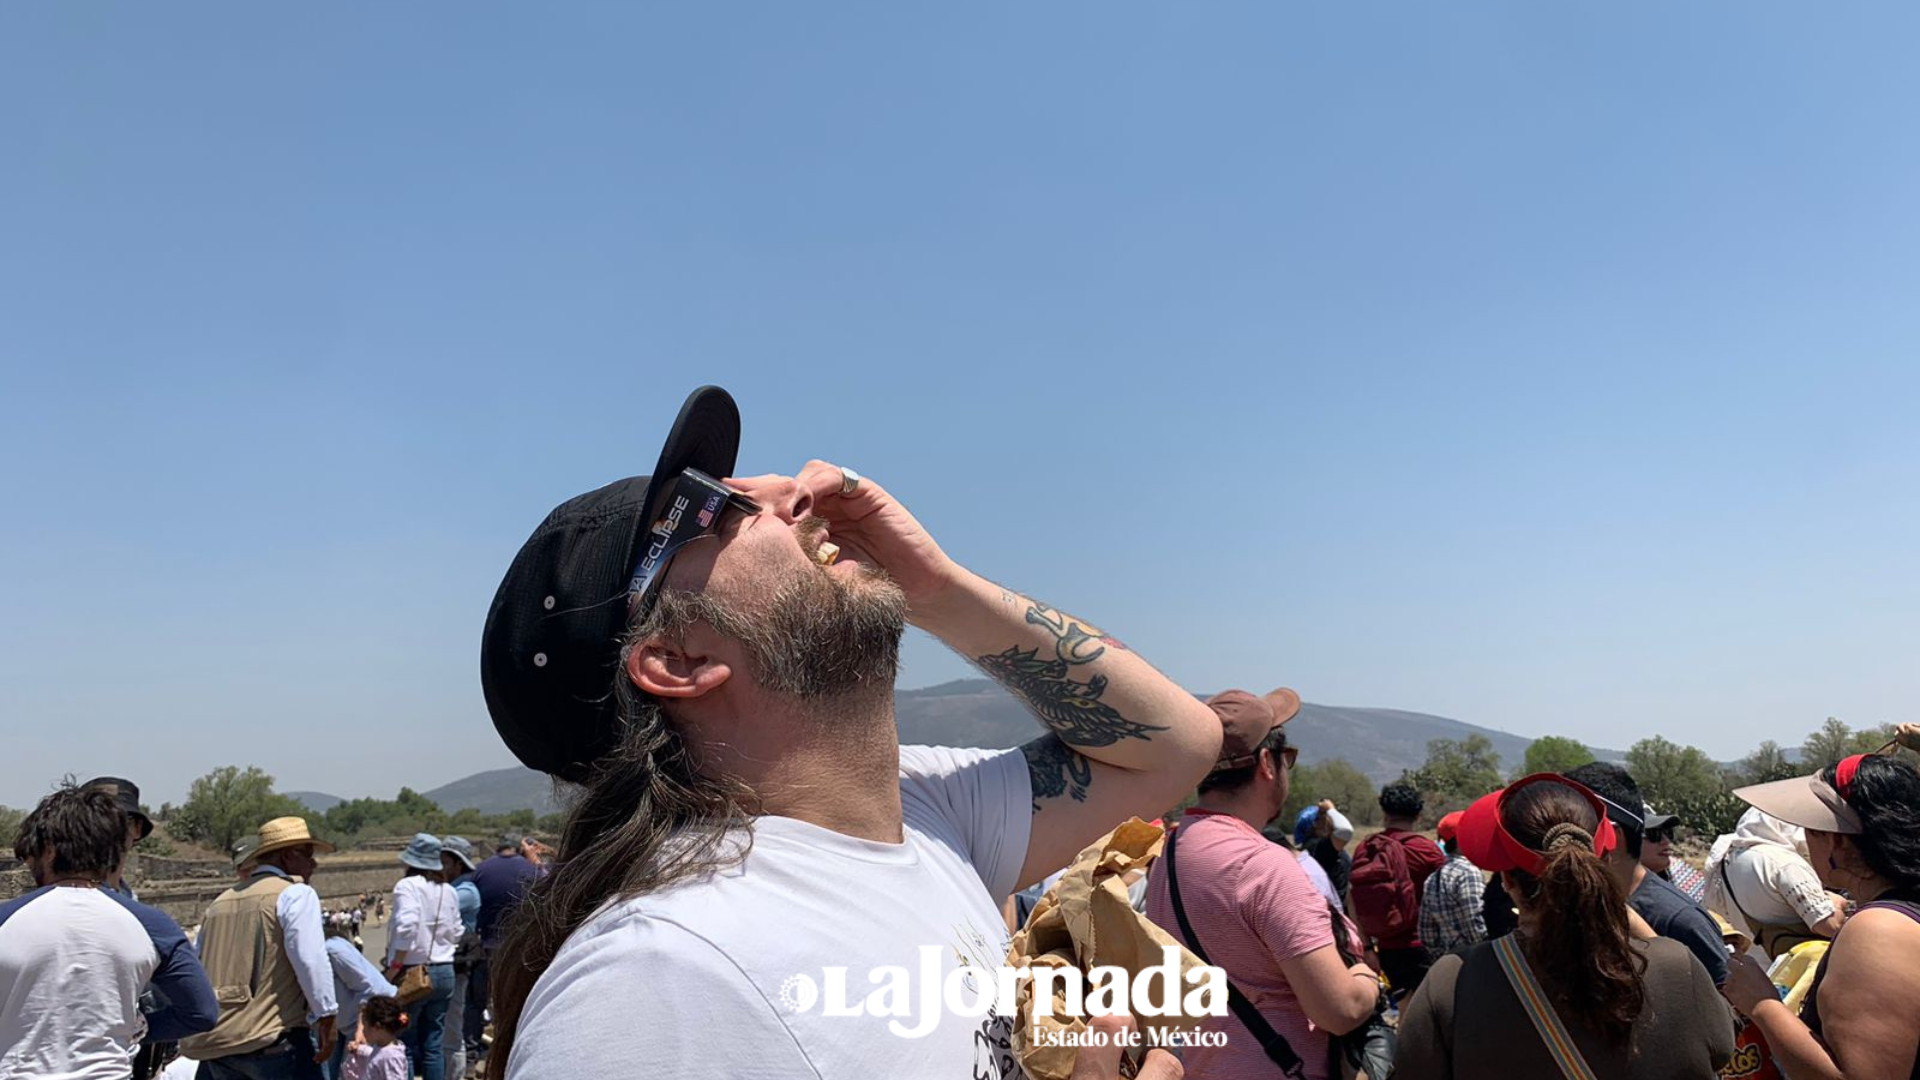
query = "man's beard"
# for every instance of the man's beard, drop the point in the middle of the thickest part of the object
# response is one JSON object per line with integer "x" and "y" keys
{"x": 822, "y": 636}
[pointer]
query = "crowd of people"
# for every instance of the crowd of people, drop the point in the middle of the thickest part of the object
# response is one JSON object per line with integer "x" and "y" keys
{"x": 712, "y": 663}
{"x": 270, "y": 984}
{"x": 1559, "y": 935}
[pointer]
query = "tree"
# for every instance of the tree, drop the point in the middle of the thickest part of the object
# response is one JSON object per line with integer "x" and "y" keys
{"x": 10, "y": 820}
{"x": 1826, "y": 746}
{"x": 1669, "y": 773}
{"x": 1456, "y": 771}
{"x": 1348, "y": 787}
{"x": 1684, "y": 781}
{"x": 1767, "y": 763}
{"x": 1554, "y": 754}
{"x": 229, "y": 803}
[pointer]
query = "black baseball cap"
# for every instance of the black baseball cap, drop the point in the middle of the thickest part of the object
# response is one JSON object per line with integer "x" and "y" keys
{"x": 550, "y": 652}
{"x": 127, "y": 795}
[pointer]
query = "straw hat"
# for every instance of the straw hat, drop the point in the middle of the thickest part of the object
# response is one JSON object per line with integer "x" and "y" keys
{"x": 286, "y": 832}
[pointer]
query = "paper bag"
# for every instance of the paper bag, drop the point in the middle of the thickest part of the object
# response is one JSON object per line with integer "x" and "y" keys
{"x": 1085, "y": 921}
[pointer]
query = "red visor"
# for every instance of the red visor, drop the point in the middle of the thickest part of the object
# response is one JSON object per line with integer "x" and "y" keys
{"x": 1488, "y": 845}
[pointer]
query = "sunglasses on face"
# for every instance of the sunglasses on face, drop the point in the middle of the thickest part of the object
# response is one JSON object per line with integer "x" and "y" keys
{"x": 696, "y": 507}
{"x": 1289, "y": 755}
{"x": 1660, "y": 835}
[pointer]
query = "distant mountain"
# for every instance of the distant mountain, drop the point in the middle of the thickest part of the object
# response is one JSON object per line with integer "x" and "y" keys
{"x": 978, "y": 712}
{"x": 498, "y": 791}
{"x": 1378, "y": 742}
{"x": 317, "y": 801}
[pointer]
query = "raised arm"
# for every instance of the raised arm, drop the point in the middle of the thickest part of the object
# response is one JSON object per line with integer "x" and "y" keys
{"x": 1122, "y": 739}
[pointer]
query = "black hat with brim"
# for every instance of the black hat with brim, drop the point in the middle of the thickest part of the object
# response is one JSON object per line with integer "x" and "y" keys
{"x": 550, "y": 652}
{"x": 127, "y": 794}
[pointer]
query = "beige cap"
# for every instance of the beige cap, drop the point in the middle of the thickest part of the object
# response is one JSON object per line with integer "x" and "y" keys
{"x": 1806, "y": 801}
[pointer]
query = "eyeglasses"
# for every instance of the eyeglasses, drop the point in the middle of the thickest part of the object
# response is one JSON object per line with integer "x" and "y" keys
{"x": 1661, "y": 835}
{"x": 1289, "y": 755}
{"x": 677, "y": 528}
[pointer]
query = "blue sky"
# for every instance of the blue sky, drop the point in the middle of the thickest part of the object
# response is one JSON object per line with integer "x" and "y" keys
{"x": 1547, "y": 368}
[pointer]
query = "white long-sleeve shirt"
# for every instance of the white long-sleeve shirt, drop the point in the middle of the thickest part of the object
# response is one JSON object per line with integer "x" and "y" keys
{"x": 426, "y": 922}
{"x": 305, "y": 942}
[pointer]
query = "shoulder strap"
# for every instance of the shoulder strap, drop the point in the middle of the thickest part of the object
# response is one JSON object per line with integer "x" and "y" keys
{"x": 1275, "y": 1044}
{"x": 1909, "y": 908}
{"x": 1546, "y": 1022}
{"x": 1727, "y": 884}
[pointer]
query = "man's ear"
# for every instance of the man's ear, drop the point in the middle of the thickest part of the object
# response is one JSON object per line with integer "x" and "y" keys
{"x": 668, "y": 669}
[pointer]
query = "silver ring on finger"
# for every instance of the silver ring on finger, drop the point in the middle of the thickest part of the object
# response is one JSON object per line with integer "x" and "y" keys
{"x": 849, "y": 481}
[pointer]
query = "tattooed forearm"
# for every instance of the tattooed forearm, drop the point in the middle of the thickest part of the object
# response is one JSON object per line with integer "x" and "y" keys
{"x": 1071, "y": 710}
{"x": 1056, "y": 770}
{"x": 1073, "y": 641}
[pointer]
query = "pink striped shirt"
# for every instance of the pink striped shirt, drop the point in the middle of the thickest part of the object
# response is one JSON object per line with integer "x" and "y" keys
{"x": 1252, "y": 907}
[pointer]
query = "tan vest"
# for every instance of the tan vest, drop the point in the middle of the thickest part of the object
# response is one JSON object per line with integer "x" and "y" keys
{"x": 243, "y": 947}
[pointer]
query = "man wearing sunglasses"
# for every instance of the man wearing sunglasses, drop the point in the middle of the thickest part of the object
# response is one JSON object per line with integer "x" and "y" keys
{"x": 712, "y": 660}
{"x": 1244, "y": 903}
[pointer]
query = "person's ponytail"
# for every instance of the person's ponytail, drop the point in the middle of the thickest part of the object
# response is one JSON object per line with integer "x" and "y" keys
{"x": 1581, "y": 947}
{"x": 647, "y": 818}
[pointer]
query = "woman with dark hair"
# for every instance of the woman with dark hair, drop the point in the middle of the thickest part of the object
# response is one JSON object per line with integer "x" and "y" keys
{"x": 1571, "y": 992}
{"x": 1861, "y": 1020}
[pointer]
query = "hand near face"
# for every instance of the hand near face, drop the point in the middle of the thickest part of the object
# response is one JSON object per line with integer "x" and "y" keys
{"x": 870, "y": 526}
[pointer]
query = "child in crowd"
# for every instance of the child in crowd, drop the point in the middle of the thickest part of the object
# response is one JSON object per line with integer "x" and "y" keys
{"x": 377, "y": 1053}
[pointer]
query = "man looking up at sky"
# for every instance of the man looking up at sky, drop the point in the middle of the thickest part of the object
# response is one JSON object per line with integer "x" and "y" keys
{"x": 694, "y": 653}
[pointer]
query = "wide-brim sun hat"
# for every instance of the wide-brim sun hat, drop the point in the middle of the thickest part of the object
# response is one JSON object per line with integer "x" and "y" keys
{"x": 422, "y": 852}
{"x": 282, "y": 833}
{"x": 1808, "y": 801}
{"x": 459, "y": 848}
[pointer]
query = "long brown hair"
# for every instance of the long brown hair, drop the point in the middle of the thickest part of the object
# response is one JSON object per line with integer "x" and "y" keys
{"x": 646, "y": 819}
{"x": 1582, "y": 950}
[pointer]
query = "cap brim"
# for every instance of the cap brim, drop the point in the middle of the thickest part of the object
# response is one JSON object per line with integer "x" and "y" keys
{"x": 146, "y": 824}
{"x": 1285, "y": 703}
{"x": 1659, "y": 821}
{"x": 705, "y": 436}
{"x": 1806, "y": 801}
{"x": 1477, "y": 834}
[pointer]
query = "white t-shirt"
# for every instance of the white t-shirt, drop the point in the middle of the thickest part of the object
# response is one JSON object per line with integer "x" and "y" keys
{"x": 72, "y": 965}
{"x": 701, "y": 979}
